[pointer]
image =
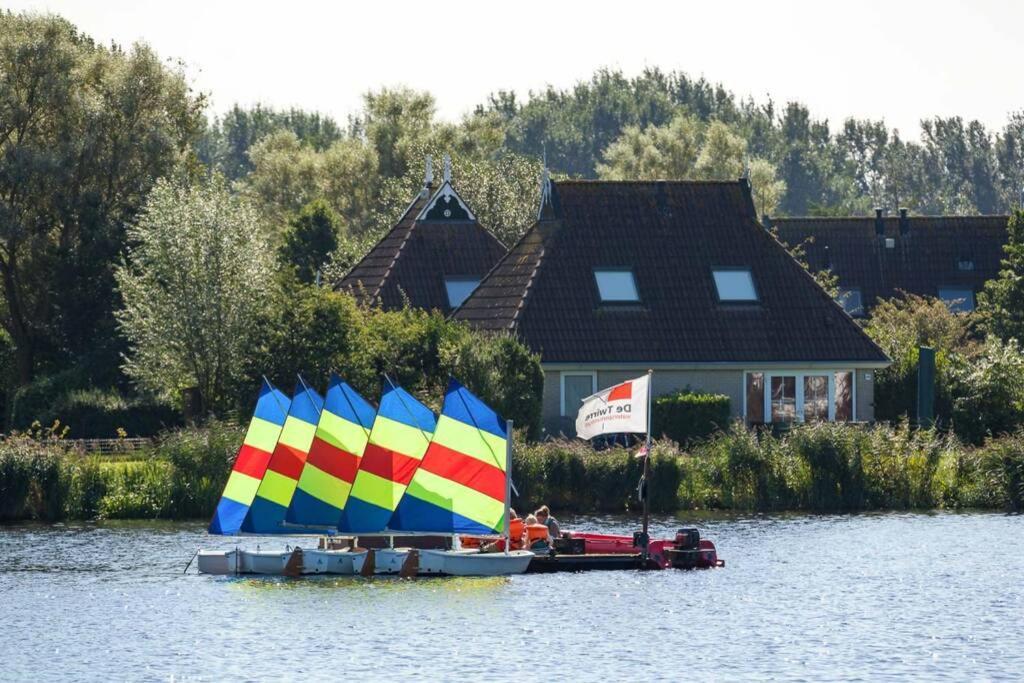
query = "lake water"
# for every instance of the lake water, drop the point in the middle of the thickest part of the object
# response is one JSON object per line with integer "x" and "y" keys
{"x": 865, "y": 597}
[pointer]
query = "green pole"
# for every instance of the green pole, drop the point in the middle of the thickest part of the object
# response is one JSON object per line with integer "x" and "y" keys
{"x": 925, "y": 387}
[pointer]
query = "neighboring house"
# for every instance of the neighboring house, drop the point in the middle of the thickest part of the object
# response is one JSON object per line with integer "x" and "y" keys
{"x": 432, "y": 258}
{"x": 949, "y": 257}
{"x": 618, "y": 277}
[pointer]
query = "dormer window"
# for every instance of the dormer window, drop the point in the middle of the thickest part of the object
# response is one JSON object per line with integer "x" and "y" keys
{"x": 616, "y": 285}
{"x": 459, "y": 289}
{"x": 735, "y": 284}
{"x": 851, "y": 300}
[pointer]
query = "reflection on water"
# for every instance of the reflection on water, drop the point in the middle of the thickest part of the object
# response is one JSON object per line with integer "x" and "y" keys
{"x": 926, "y": 596}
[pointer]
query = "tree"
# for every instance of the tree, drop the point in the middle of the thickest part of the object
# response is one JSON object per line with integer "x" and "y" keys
{"x": 310, "y": 239}
{"x": 658, "y": 152}
{"x": 1001, "y": 304}
{"x": 85, "y": 130}
{"x": 194, "y": 287}
{"x": 721, "y": 155}
{"x": 766, "y": 188}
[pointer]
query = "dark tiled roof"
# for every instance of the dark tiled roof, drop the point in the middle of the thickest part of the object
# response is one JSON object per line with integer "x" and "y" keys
{"x": 672, "y": 234}
{"x": 926, "y": 258}
{"x": 413, "y": 259}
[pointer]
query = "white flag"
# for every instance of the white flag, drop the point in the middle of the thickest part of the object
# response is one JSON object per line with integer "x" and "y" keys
{"x": 616, "y": 410}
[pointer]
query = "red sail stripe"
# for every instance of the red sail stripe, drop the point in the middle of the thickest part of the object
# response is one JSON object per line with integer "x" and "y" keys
{"x": 252, "y": 461}
{"x": 287, "y": 461}
{"x": 388, "y": 464}
{"x": 333, "y": 460}
{"x": 463, "y": 469}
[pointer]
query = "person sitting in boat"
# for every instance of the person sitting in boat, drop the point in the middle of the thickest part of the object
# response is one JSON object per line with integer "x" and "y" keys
{"x": 516, "y": 532}
{"x": 537, "y": 535}
{"x": 544, "y": 517}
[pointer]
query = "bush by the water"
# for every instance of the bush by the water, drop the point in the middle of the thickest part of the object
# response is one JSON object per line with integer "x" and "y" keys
{"x": 689, "y": 416}
{"x": 818, "y": 467}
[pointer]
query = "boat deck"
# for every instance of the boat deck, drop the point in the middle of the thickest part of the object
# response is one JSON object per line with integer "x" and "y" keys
{"x": 546, "y": 564}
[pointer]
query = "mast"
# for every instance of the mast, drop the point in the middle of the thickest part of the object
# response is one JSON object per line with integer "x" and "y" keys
{"x": 647, "y": 470}
{"x": 508, "y": 485}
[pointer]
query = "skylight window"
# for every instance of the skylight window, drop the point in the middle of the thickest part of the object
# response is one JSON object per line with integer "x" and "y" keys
{"x": 957, "y": 299}
{"x": 459, "y": 289}
{"x": 736, "y": 284}
{"x": 616, "y": 285}
{"x": 851, "y": 300}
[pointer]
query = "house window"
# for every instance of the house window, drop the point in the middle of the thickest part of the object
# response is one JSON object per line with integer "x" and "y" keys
{"x": 459, "y": 289}
{"x": 799, "y": 396}
{"x": 755, "y": 397}
{"x": 851, "y": 301}
{"x": 735, "y": 284}
{"x": 784, "y": 399}
{"x": 576, "y": 386}
{"x": 844, "y": 396}
{"x": 616, "y": 285}
{"x": 957, "y": 299}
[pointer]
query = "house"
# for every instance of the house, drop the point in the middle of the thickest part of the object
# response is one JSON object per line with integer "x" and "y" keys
{"x": 432, "y": 258}
{"x": 680, "y": 277}
{"x": 949, "y": 257}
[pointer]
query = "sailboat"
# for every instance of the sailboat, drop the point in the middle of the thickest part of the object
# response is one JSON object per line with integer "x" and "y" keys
{"x": 329, "y": 472}
{"x": 462, "y": 486}
{"x": 246, "y": 474}
{"x": 397, "y": 442}
{"x": 267, "y": 513}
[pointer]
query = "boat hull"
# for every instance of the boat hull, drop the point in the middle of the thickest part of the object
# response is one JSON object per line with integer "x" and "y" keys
{"x": 329, "y": 562}
{"x": 472, "y": 563}
{"x": 218, "y": 562}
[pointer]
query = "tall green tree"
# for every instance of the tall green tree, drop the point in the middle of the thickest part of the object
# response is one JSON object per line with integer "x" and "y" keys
{"x": 85, "y": 130}
{"x": 1001, "y": 304}
{"x": 195, "y": 285}
{"x": 310, "y": 239}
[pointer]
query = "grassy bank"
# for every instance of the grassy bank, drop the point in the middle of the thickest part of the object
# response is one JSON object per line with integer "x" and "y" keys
{"x": 814, "y": 468}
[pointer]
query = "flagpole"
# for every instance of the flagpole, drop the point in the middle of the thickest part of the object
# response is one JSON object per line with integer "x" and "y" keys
{"x": 508, "y": 485}
{"x": 647, "y": 470}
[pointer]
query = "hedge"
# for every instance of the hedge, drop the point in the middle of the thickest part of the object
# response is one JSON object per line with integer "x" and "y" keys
{"x": 689, "y": 416}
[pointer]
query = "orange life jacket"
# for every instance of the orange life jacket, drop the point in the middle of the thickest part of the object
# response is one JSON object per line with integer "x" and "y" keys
{"x": 516, "y": 529}
{"x": 535, "y": 533}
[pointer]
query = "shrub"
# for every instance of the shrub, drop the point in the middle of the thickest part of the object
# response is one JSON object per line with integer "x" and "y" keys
{"x": 136, "y": 489}
{"x": 688, "y": 416}
{"x": 201, "y": 461}
{"x": 1002, "y": 464}
{"x": 32, "y": 481}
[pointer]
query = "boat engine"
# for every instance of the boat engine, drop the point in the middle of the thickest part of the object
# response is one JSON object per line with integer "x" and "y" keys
{"x": 685, "y": 554}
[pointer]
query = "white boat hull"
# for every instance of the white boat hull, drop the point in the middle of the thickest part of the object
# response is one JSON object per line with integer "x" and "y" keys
{"x": 329, "y": 561}
{"x": 217, "y": 562}
{"x": 470, "y": 563}
{"x": 270, "y": 562}
{"x": 385, "y": 560}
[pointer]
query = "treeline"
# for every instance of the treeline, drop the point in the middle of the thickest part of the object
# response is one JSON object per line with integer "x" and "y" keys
{"x": 146, "y": 245}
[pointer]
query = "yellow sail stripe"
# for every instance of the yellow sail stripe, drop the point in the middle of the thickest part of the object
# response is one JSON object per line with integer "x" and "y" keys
{"x": 323, "y": 486}
{"x": 241, "y": 488}
{"x": 381, "y": 492}
{"x": 449, "y": 495}
{"x": 342, "y": 434}
{"x": 398, "y": 437}
{"x": 262, "y": 434}
{"x": 297, "y": 433}
{"x": 277, "y": 488}
{"x": 468, "y": 440}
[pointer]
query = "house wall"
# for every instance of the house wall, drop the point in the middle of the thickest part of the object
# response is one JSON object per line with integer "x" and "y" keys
{"x": 729, "y": 382}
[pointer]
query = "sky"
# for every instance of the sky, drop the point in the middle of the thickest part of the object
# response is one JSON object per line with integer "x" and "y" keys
{"x": 892, "y": 60}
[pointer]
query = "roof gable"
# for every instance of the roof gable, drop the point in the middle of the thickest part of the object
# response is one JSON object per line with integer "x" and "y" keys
{"x": 437, "y": 237}
{"x": 930, "y": 252}
{"x": 672, "y": 235}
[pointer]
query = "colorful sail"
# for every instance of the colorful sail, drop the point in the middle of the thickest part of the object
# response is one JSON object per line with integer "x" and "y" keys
{"x": 399, "y": 438}
{"x": 251, "y": 461}
{"x": 267, "y": 513}
{"x": 459, "y": 487}
{"x": 333, "y": 461}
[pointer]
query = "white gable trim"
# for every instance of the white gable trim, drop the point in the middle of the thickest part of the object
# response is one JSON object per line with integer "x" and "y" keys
{"x": 446, "y": 190}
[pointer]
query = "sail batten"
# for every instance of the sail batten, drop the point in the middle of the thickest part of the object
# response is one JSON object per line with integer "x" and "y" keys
{"x": 459, "y": 487}
{"x": 338, "y": 444}
{"x": 251, "y": 461}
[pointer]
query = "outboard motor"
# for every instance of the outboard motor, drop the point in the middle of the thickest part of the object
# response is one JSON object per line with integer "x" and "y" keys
{"x": 688, "y": 539}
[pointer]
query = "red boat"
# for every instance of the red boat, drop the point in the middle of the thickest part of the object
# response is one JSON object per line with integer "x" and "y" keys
{"x": 686, "y": 551}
